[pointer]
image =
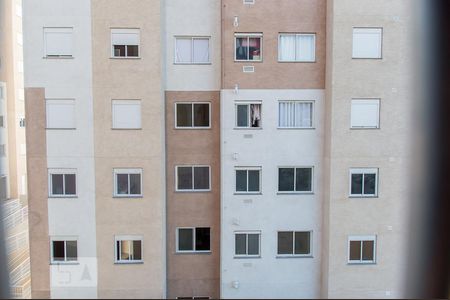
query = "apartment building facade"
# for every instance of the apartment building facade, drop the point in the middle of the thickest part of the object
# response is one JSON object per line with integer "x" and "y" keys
{"x": 272, "y": 137}
{"x": 215, "y": 148}
{"x": 369, "y": 104}
{"x": 192, "y": 106}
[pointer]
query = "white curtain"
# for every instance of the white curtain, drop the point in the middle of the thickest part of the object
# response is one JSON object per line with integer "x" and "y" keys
{"x": 305, "y": 48}
{"x": 183, "y": 51}
{"x": 287, "y": 48}
{"x": 201, "y": 50}
{"x": 295, "y": 114}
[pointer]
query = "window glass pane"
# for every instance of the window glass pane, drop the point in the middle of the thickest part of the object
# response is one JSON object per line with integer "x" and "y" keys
{"x": 135, "y": 184}
{"x": 253, "y": 180}
{"x": 302, "y": 243}
{"x": 305, "y": 48}
{"x": 58, "y": 250}
{"x": 369, "y": 184}
{"x": 201, "y": 50}
{"x": 70, "y": 184}
{"x": 126, "y": 250}
{"x": 202, "y": 239}
{"x": 356, "y": 184}
{"x": 241, "y": 180}
{"x": 57, "y": 184}
{"x": 184, "y": 115}
{"x": 255, "y": 115}
{"x": 242, "y": 115}
{"x": 253, "y": 244}
{"x": 137, "y": 250}
{"x": 285, "y": 242}
{"x": 185, "y": 239}
{"x": 303, "y": 180}
{"x": 367, "y": 251}
{"x": 201, "y": 115}
{"x": 241, "y": 244}
{"x": 286, "y": 179}
{"x": 132, "y": 50}
{"x": 355, "y": 250}
{"x": 184, "y": 178}
{"x": 183, "y": 50}
{"x": 71, "y": 250}
{"x": 287, "y": 47}
{"x": 242, "y": 48}
{"x": 201, "y": 178}
{"x": 119, "y": 50}
{"x": 255, "y": 49}
{"x": 122, "y": 184}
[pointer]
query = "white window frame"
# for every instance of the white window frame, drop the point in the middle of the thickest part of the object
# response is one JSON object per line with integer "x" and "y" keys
{"x": 194, "y": 297}
{"x": 295, "y": 177}
{"x": 363, "y": 171}
{"x": 248, "y": 169}
{"x": 192, "y": 112}
{"x": 115, "y": 29}
{"x": 56, "y": 100}
{"x": 193, "y": 178}
{"x": 64, "y": 239}
{"x": 313, "y": 60}
{"x": 258, "y": 232}
{"x": 126, "y": 102}
{"x": 248, "y": 103}
{"x": 248, "y": 36}
{"x": 309, "y": 255}
{"x": 128, "y": 238}
{"x": 62, "y": 29}
{"x": 381, "y": 42}
{"x": 62, "y": 172}
{"x": 193, "y": 240}
{"x": 313, "y": 112}
{"x": 362, "y": 238}
{"x": 117, "y": 171}
{"x": 368, "y": 101}
{"x": 192, "y": 50}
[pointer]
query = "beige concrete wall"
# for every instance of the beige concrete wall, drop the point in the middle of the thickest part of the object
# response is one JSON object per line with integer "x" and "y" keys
{"x": 192, "y": 275}
{"x": 129, "y": 79}
{"x": 10, "y": 54}
{"x": 272, "y": 17}
{"x": 386, "y": 148}
{"x": 37, "y": 185}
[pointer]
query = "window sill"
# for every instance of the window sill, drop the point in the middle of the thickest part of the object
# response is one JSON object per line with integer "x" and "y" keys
{"x": 248, "y": 61}
{"x": 128, "y": 197}
{"x": 247, "y": 194}
{"x": 361, "y": 263}
{"x": 297, "y": 62}
{"x": 58, "y": 57}
{"x": 60, "y": 129}
{"x": 124, "y": 57}
{"x": 122, "y": 129}
{"x": 62, "y": 197}
{"x": 362, "y": 196}
{"x": 190, "y": 64}
{"x": 67, "y": 263}
{"x": 295, "y": 193}
{"x": 364, "y": 128}
{"x": 140, "y": 262}
{"x": 247, "y": 257}
{"x": 369, "y": 58}
{"x": 192, "y": 191}
{"x": 192, "y": 128}
{"x": 296, "y": 128}
{"x": 247, "y": 128}
{"x": 193, "y": 252}
{"x": 294, "y": 256}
